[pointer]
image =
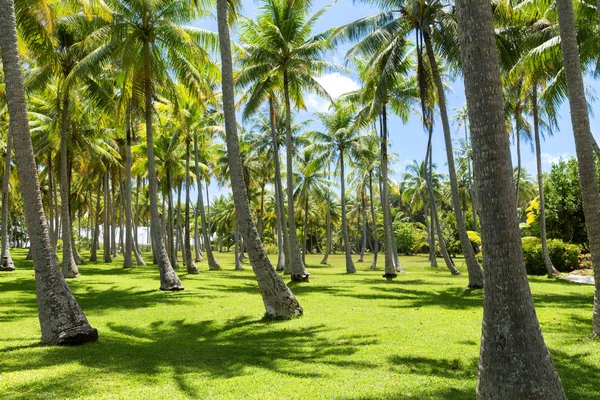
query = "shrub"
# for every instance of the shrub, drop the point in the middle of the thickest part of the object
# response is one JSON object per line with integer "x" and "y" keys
{"x": 475, "y": 241}
{"x": 565, "y": 257}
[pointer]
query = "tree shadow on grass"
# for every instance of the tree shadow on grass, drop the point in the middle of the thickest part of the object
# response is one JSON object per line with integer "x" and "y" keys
{"x": 580, "y": 378}
{"x": 215, "y": 350}
{"x": 440, "y": 394}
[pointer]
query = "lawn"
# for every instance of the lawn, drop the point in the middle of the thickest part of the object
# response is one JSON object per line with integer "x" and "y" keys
{"x": 361, "y": 337}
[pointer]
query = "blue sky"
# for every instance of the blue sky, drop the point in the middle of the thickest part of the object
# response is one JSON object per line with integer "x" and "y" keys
{"x": 409, "y": 141}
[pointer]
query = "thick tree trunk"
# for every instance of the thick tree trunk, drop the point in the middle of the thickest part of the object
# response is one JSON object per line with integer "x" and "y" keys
{"x": 474, "y": 270}
{"x": 213, "y": 264}
{"x": 96, "y": 234}
{"x": 514, "y": 362}
{"x": 168, "y": 278}
{"x": 350, "y": 268}
{"x": 390, "y": 264}
{"x": 583, "y": 146}
{"x": 374, "y": 218}
{"x": 69, "y": 268}
{"x": 106, "y": 214}
{"x": 61, "y": 320}
{"x": 279, "y": 301}
{"x": 189, "y": 259}
{"x": 540, "y": 178}
{"x": 7, "y": 262}
{"x": 299, "y": 273}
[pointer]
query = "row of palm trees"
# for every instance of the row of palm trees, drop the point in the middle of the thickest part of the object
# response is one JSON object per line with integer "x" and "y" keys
{"x": 99, "y": 75}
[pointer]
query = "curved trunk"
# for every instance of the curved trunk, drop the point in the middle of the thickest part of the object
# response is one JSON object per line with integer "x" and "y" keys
{"x": 434, "y": 214}
{"x": 474, "y": 270}
{"x": 168, "y": 277}
{"x": 61, "y": 320}
{"x": 350, "y": 268}
{"x": 299, "y": 273}
{"x": 7, "y": 262}
{"x": 279, "y": 197}
{"x": 540, "y": 178}
{"x": 213, "y": 264}
{"x": 390, "y": 263}
{"x": 374, "y": 217}
{"x": 279, "y": 301}
{"x": 583, "y": 143}
{"x": 189, "y": 259}
{"x": 514, "y": 361}
{"x": 69, "y": 268}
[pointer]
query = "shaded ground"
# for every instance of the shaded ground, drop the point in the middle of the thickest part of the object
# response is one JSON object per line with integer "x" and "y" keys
{"x": 361, "y": 337}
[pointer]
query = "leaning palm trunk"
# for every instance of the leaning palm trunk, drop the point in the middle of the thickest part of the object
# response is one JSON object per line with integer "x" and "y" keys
{"x": 514, "y": 362}
{"x": 473, "y": 268}
{"x": 69, "y": 268}
{"x": 189, "y": 259}
{"x": 390, "y": 264}
{"x": 538, "y": 157}
{"x": 583, "y": 146}
{"x": 279, "y": 301}
{"x": 213, "y": 264}
{"x": 299, "y": 273}
{"x": 374, "y": 217}
{"x": 350, "y": 268}
{"x": 168, "y": 277}
{"x": 434, "y": 213}
{"x": 61, "y": 320}
{"x": 7, "y": 262}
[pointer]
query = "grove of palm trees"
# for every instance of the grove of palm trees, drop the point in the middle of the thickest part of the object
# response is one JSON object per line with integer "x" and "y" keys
{"x": 299, "y": 199}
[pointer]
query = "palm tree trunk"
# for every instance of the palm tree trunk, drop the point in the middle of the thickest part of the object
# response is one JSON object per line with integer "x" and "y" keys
{"x": 299, "y": 273}
{"x": 236, "y": 250}
{"x": 96, "y": 234}
{"x": 279, "y": 301}
{"x": 374, "y": 217}
{"x": 213, "y": 264}
{"x": 61, "y": 320}
{"x": 473, "y": 268}
{"x": 364, "y": 226}
{"x": 261, "y": 211}
{"x": 471, "y": 183}
{"x": 434, "y": 214}
{"x": 280, "y": 250}
{"x": 189, "y": 259}
{"x": 583, "y": 146}
{"x": 106, "y": 229}
{"x": 197, "y": 252}
{"x": 538, "y": 157}
{"x": 350, "y": 268}
{"x": 51, "y": 228}
{"x": 279, "y": 197}
{"x": 518, "y": 140}
{"x": 514, "y": 362}
{"x": 113, "y": 217}
{"x": 69, "y": 268}
{"x": 7, "y": 262}
{"x": 56, "y": 218}
{"x": 328, "y": 223}
{"x": 304, "y": 226}
{"x": 179, "y": 237}
{"x": 168, "y": 277}
{"x": 127, "y": 255}
{"x": 390, "y": 262}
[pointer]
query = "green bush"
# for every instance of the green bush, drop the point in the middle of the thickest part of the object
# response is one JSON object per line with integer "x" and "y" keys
{"x": 475, "y": 241}
{"x": 565, "y": 257}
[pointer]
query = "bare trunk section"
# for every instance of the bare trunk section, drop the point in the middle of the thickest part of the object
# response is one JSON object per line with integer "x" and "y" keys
{"x": 96, "y": 233}
{"x": 390, "y": 264}
{"x": 514, "y": 362}
{"x": 106, "y": 214}
{"x": 279, "y": 301}
{"x": 374, "y": 218}
{"x": 61, "y": 320}
{"x": 350, "y": 268}
{"x": 189, "y": 259}
{"x": 127, "y": 255}
{"x": 7, "y": 262}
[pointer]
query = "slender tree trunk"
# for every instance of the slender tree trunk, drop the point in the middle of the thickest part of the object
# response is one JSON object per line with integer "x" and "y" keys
{"x": 299, "y": 273}
{"x": 127, "y": 255}
{"x": 364, "y": 226}
{"x": 189, "y": 259}
{"x": 113, "y": 217}
{"x": 514, "y": 362}
{"x": 390, "y": 264}
{"x": 280, "y": 250}
{"x": 106, "y": 228}
{"x": 261, "y": 211}
{"x": 473, "y": 268}
{"x": 328, "y": 223}
{"x": 213, "y": 264}
{"x": 62, "y": 321}
{"x": 279, "y": 301}
{"x": 304, "y": 226}
{"x": 374, "y": 217}
{"x": 540, "y": 178}
{"x": 237, "y": 250}
{"x": 51, "y": 227}
{"x": 96, "y": 234}
{"x": 168, "y": 277}
{"x": 179, "y": 239}
{"x": 56, "y": 218}
{"x": 518, "y": 140}
{"x": 471, "y": 183}
{"x": 350, "y": 268}
{"x": 69, "y": 268}
{"x": 583, "y": 146}
{"x": 7, "y": 262}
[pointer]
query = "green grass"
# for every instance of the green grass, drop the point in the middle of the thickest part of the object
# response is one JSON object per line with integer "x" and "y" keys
{"x": 361, "y": 337}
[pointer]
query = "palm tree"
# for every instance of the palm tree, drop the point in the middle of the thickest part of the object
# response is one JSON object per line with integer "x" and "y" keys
{"x": 61, "y": 320}
{"x": 514, "y": 361}
{"x": 462, "y": 120}
{"x": 278, "y": 299}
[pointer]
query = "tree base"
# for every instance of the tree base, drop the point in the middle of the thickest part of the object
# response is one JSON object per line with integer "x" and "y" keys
{"x": 390, "y": 276}
{"x": 280, "y": 268}
{"x": 7, "y": 267}
{"x": 214, "y": 268}
{"x": 76, "y": 336}
{"x": 300, "y": 278}
{"x": 475, "y": 286}
{"x": 174, "y": 288}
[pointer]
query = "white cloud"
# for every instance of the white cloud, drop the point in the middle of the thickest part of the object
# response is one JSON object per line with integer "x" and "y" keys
{"x": 336, "y": 85}
{"x": 550, "y": 159}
